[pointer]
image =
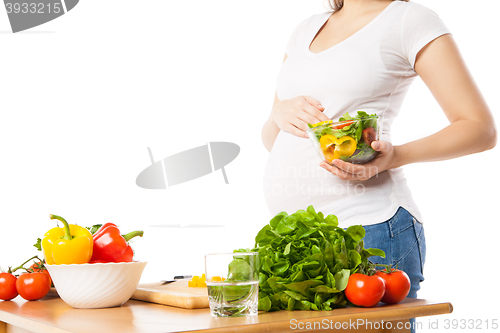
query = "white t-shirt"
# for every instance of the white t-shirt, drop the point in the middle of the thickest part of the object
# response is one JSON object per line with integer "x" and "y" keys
{"x": 371, "y": 71}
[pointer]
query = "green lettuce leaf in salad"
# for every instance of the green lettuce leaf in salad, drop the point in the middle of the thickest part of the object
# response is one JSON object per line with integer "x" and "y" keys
{"x": 305, "y": 260}
{"x": 355, "y": 130}
{"x": 363, "y": 151}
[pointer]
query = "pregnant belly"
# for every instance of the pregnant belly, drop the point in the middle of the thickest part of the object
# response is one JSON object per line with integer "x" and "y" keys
{"x": 294, "y": 180}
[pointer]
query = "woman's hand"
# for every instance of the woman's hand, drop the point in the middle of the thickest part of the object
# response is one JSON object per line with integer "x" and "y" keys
{"x": 385, "y": 159}
{"x": 293, "y": 115}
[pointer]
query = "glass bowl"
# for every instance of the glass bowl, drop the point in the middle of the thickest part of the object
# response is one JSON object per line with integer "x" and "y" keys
{"x": 348, "y": 140}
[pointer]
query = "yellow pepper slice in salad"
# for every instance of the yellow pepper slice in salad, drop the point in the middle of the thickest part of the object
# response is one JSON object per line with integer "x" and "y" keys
{"x": 345, "y": 146}
{"x": 322, "y": 123}
{"x": 327, "y": 140}
{"x": 334, "y": 148}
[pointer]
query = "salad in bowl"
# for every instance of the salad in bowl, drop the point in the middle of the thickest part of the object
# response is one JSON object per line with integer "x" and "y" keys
{"x": 349, "y": 139}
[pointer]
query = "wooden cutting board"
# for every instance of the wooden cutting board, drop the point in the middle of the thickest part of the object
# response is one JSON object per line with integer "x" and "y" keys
{"x": 175, "y": 294}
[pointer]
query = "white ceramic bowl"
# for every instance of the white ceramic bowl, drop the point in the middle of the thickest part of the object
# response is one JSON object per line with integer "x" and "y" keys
{"x": 101, "y": 285}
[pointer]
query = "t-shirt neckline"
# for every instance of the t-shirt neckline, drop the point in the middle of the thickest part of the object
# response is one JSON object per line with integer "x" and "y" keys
{"x": 323, "y": 22}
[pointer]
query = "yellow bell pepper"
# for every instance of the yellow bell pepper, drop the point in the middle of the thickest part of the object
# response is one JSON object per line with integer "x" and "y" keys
{"x": 334, "y": 148}
{"x": 71, "y": 244}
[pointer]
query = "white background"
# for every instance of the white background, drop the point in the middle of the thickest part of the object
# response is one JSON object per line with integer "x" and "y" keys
{"x": 83, "y": 96}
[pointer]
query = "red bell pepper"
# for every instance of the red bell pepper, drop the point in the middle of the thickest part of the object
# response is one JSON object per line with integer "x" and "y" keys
{"x": 111, "y": 246}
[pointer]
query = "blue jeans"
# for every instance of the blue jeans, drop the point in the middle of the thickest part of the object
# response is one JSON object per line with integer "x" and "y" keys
{"x": 403, "y": 241}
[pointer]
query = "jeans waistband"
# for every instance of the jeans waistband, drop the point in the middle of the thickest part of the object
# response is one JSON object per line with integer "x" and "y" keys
{"x": 398, "y": 223}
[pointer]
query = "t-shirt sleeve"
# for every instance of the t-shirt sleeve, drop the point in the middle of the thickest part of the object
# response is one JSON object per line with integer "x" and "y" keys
{"x": 291, "y": 45}
{"x": 420, "y": 26}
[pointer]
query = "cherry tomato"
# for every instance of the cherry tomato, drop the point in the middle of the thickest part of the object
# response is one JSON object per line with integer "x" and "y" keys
{"x": 8, "y": 289}
{"x": 369, "y": 135}
{"x": 37, "y": 267}
{"x": 364, "y": 290}
{"x": 397, "y": 286}
{"x": 33, "y": 286}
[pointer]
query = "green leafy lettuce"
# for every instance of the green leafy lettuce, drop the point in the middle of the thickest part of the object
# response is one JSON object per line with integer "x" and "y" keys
{"x": 305, "y": 261}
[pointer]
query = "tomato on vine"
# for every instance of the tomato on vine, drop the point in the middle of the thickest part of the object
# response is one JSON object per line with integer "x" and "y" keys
{"x": 8, "y": 289}
{"x": 39, "y": 267}
{"x": 33, "y": 286}
{"x": 364, "y": 290}
{"x": 397, "y": 285}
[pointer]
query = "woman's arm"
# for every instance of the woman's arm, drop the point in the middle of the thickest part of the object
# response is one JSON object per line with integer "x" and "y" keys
{"x": 471, "y": 128}
{"x": 292, "y": 116}
{"x": 270, "y": 130}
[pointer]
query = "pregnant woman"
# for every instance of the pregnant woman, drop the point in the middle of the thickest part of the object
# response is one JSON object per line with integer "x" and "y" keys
{"x": 363, "y": 56}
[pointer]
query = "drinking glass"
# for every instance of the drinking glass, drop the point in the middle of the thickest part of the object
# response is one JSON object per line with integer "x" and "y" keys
{"x": 233, "y": 283}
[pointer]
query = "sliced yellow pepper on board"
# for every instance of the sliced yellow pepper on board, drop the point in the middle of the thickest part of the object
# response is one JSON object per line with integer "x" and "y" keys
{"x": 71, "y": 244}
{"x": 197, "y": 281}
{"x": 217, "y": 279}
{"x": 194, "y": 281}
{"x": 202, "y": 282}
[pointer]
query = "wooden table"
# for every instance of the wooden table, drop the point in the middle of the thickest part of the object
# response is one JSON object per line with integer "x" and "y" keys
{"x": 52, "y": 315}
